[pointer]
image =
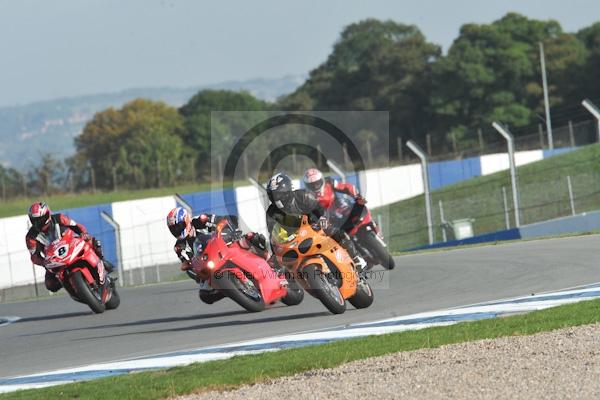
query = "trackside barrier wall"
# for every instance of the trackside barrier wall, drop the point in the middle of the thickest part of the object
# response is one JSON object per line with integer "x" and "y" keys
{"x": 91, "y": 218}
{"x": 385, "y": 186}
{"x": 582, "y": 223}
{"x": 585, "y": 222}
{"x": 448, "y": 172}
{"x": 15, "y": 267}
{"x": 145, "y": 241}
{"x": 510, "y": 234}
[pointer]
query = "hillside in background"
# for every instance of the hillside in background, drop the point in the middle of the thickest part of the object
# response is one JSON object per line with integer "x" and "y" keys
{"x": 50, "y": 126}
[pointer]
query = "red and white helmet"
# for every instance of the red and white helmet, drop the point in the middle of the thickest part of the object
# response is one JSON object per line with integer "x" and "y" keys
{"x": 39, "y": 215}
{"x": 313, "y": 179}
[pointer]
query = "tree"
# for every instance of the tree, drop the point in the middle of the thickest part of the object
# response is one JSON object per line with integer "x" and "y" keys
{"x": 136, "y": 140}
{"x": 375, "y": 65}
{"x": 197, "y": 113}
{"x": 47, "y": 177}
{"x": 589, "y": 84}
{"x": 492, "y": 72}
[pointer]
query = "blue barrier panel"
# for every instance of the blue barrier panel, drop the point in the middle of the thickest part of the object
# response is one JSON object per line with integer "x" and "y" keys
{"x": 90, "y": 217}
{"x": 510, "y": 234}
{"x": 217, "y": 202}
{"x": 448, "y": 172}
{"x": 555, "y": 152}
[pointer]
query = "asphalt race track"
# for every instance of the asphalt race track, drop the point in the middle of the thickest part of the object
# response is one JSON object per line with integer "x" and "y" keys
{"x": 60, "y": 333}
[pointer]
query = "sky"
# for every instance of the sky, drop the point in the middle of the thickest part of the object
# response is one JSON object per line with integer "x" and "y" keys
{"x": 61, "y": 48}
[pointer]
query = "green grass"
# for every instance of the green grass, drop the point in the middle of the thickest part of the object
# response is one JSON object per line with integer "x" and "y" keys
{"x": 543, "y": 192}
{"x": 21, "y": 205}
{"x": 230, "y": 373}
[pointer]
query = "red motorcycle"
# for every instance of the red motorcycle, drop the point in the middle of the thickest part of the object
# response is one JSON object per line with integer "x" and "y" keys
{"x": 346, "y": 214}
{"x": 77, "y": 266}
{"x": 241, "y": 275}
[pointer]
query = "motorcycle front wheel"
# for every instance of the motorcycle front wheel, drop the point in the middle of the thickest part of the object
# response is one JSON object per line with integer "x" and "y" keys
{"x": 246, "y": 294}
{"x": 85, "y": 293}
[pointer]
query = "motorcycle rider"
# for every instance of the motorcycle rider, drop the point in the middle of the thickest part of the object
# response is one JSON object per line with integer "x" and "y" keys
{"x": 194, "y": 233}
{"x": 324, "y": 188}
{"x": 287, "y": 205}
{"x": 41, "y": 234}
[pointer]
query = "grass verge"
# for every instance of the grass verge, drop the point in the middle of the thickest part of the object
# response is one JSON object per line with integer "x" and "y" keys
{"x": 543, "y": 190}
{"x": 227, "y": 374}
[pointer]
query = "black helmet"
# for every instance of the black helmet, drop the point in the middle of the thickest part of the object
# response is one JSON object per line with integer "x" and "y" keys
{"x": 280, "y": 190}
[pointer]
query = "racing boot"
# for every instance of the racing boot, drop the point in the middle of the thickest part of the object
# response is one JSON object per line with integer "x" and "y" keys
{"x": 207, "y": 294}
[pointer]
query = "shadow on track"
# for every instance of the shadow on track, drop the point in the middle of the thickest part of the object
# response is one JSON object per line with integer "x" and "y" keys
{"x": 218, "y": 325}
{"x": 145, "y": 322}
{"x": 54, "y": 316}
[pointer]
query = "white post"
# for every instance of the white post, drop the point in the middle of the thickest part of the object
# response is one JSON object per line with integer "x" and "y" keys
{"x": 505, "y": 200}
{"x": 513, "y": 171}
{"x": 443, "y": 221}
{"x": 595, "y": 111}
{"x": 571, "y": 199}
{"x": 546, "y": 99}
{"x": 425, "y": 174}
{"x": 181, "y": 202}
{"x": 117, "y": 229}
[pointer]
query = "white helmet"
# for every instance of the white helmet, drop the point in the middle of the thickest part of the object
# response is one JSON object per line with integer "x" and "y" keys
{"x": 313, "y": 179}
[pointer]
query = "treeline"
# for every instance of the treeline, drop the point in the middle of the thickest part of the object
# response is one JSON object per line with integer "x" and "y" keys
{"x": 491, "y": 72}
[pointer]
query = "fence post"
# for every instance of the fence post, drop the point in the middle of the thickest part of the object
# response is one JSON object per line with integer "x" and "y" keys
{"x": 428, "y": 138}
{"x": 114, "y": 176}
{"x": 35, "y": 286}
{"x": 425, "y": 170}
{"x": 541, "y": 132}
{"x": 481, "y": 142}
{"x": 513, "y": 171}
{"x": 571, "y": 134}
{"x": 335, "y": 168}
{"x": 400, "y": 154}
{"x": 571, "y": 199}
{"x": 443, "y": 221}
{"x": 505, "y": 201}
{"x": 546, "y": 99}
{"x": 369, "y": 154}
{"x": 142, "y": 269}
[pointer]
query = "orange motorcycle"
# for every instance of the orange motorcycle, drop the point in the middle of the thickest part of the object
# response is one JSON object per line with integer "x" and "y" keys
{"x": 321, "y": 266}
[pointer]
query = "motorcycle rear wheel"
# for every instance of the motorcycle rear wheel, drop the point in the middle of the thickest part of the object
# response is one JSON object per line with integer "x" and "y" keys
{"x": 84, "y": 292}
{"x": 324, "y": 290}
{"x": 231, "y": 286}
{"x": 115, "y": 299}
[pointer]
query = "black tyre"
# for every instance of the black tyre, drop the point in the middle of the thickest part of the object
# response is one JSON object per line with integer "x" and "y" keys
{"x": 324, "y": 290}
{"x": 364, "y": 295}
{"x": 379, "y": 251}
{"x": 85, "y": 293}
{"x": 295, "y": 293}
{"x": 246, "y": 295}
{"x": 114, "y": 301}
